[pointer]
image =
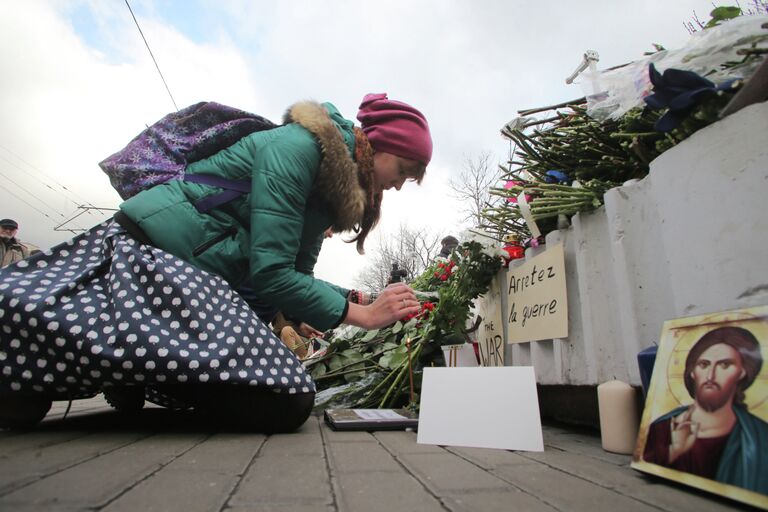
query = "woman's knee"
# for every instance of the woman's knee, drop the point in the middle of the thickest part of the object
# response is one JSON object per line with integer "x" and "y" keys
{"x": 258, "y": 409}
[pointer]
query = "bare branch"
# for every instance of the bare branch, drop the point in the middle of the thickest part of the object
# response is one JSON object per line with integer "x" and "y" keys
{"x": 473, "y": 184}
{"x": 413, "y": 249}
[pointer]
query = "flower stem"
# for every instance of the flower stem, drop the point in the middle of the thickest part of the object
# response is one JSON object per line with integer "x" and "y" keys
{"x": 340, "y": 373}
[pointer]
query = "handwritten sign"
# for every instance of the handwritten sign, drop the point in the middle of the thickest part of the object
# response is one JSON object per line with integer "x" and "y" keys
{"x": 490, "y": 338}
{"x": 538, "y": 307}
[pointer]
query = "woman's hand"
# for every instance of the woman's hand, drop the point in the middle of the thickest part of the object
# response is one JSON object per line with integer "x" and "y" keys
{"x": 396, "y": 301}
{"x": 308, "y": 331}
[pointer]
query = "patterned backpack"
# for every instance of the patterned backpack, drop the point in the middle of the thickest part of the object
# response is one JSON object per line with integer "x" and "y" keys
{"x": 162, "y": 151}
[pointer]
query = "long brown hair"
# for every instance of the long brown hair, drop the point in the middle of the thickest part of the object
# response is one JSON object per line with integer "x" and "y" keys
{"x": 372, "y": 213}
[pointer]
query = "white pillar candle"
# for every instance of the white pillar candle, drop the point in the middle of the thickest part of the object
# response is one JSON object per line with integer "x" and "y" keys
{"x": 619, "y": 419}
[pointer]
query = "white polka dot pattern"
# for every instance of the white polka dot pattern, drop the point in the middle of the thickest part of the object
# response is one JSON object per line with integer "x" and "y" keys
{"x": 104, "y": 309}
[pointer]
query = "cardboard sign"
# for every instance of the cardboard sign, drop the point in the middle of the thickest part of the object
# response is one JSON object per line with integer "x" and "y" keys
{"x": 538, "y": 306}
{"x": 480, "y": 407}
{"x": 490, "y": 336}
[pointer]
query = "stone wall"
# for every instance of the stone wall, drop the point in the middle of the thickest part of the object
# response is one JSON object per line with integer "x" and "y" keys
{"x": 691, "y": 238}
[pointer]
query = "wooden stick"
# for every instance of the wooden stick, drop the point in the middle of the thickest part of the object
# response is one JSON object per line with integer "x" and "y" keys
{"x": 410, "y": 368}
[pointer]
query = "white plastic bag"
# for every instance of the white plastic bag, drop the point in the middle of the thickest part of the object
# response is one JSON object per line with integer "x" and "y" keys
{"x": 624, "y": 88}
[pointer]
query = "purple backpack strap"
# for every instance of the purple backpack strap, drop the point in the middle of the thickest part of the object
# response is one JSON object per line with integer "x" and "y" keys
{"x": 232, "y": 189}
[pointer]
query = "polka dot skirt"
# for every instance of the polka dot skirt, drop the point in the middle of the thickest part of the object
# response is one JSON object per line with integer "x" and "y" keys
{"x": 104, "y": 309}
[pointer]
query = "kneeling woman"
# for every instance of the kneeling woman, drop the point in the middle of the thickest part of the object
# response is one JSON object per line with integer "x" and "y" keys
{"x": 146, "y": 302}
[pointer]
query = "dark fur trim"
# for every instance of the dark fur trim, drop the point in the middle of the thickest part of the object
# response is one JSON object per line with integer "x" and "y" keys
{"x": 337, "y": 184}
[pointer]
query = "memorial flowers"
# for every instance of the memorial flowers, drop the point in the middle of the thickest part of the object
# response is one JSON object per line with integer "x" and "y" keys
{"x": 370, "y": 368}
{"x": 565, "y": 161}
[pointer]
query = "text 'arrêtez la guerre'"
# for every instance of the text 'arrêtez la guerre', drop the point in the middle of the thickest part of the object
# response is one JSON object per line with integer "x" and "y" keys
{"x": 518, "y": 284}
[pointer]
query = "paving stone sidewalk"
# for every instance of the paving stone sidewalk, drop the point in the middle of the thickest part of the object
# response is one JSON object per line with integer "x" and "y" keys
{"x": 98, "y": 460}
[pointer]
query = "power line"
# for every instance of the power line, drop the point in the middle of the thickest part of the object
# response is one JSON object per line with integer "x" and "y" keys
{"x": 47, "y": 205}
{"x": 31, "y": 194}
{"x": 67, "y": 221}
{"x": 73, "y": 196}
{"x": 82, "y": 206}
{"x": 151, "y": 55}
{"x": 58, "y": 226}
{"x": 29, "y": 204}
{"x": 83, "y": 209}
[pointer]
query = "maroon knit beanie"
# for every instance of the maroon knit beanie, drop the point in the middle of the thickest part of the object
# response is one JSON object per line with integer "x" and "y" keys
{"x": 395, "y": 127}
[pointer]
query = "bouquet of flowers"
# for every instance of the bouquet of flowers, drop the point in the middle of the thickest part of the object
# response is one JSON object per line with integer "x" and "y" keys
{"x": 374, "y": 369}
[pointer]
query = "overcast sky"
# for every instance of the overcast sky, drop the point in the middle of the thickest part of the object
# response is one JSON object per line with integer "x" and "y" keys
{"x": 78, "y": 83}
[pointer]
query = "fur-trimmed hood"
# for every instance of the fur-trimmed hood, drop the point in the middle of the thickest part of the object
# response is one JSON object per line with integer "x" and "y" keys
{"x": 337, "y": 184}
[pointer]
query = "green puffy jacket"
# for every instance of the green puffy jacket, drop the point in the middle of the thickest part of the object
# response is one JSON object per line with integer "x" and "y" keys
{"x": 304, "y": 180}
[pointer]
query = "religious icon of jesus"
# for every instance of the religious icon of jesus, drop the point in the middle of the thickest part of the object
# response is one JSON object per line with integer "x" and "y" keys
{"x": 713, "y": 433}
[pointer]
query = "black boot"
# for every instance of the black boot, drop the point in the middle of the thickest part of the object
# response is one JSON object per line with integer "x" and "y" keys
{"x": 125, "y": 399}
{"x": 22, "y": 411}
{"x": 256, "y": 409}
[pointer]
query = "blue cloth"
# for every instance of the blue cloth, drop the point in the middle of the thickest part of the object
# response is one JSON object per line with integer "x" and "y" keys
{"x": 745, "y": 458}
{"x": 679, "y": 91}
{"x": 555, "y": 176}
{"x": 645, "y": 362}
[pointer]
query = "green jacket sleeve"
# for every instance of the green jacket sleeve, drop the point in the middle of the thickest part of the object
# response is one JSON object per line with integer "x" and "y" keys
{"x": 306, "y": 260}
{"x": 339, "y": 289}
{"x": 284, "y": 169}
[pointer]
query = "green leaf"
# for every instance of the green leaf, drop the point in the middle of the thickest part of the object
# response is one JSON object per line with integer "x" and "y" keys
{"x": 397, "y": 358}
{"x": 411, "y": 323}
{"x": 338, "y": 345}
{"x": 349, "y": 377}
{"x": 385, "y": 359}
{"x": 318, "y": 371}
{"x": 723, "y": 13}
{"x": 370, "y": 335}
{"x": 384, "y": 347}
{"x": 350, "y": 357}
{"x": 397, "y": 327}
{"x": 394, "y": 358}
{"x": 335, "y": 363}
